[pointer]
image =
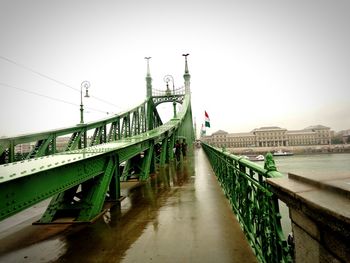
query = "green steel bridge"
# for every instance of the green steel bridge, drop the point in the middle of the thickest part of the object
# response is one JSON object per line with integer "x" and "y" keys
{"x": 88, "y": 172}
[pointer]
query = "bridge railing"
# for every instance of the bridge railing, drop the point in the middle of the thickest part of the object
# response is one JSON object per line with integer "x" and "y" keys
{"x": 170, "y": 92}
{"x": 123, "y": 125}
{"x": 79, "y": 181}
{"x": 254, "y": 204}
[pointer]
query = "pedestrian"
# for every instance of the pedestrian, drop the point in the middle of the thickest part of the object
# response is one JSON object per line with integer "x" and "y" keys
{"x": 177, "y": 150}
{"x": 184, "y": 148}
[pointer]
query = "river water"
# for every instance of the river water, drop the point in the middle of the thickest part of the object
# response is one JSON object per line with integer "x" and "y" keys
{"x": 332, "y": 164}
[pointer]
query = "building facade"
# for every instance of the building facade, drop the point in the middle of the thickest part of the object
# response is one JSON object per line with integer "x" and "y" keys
{"x": 271, "y": 137}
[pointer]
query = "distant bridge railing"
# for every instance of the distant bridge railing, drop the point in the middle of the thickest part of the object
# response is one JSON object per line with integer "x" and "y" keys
{"x": 119, "y": 126}
{"x": 253, "y": 202}
{"x": 169, "y": 92}
{"x": 79, "y": 181}
{"x": 169, "y": 95}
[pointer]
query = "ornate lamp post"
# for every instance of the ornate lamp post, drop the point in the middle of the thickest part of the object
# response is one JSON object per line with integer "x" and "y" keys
{"x": 167, "y": 79}
{"x": 85, "y": 84}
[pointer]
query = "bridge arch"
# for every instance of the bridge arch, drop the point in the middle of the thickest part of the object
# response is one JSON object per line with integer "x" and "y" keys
{"x": 165, "y": 96}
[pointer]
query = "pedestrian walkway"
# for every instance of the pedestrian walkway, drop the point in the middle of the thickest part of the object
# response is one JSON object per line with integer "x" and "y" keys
{"x": 181, "y": 215}
{"x": 195, "y": 224}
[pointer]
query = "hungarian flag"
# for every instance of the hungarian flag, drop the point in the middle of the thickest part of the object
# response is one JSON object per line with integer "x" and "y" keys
{"x": 207, "y": 120}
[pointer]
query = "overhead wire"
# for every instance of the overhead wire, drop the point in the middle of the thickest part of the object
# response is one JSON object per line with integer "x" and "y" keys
{"x": 48, "y": 97}
{"x": 52, "y": 79}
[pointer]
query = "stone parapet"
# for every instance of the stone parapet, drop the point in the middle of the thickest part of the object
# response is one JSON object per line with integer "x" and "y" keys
{"x": 319, "y": 208}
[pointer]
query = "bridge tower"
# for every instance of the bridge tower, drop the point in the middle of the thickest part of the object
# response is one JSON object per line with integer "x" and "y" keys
{"x": 148, "y": 80}
{"x": 187, "y": 75}
{"x": 150, "y": 105}
{"x": 187, "y": 128}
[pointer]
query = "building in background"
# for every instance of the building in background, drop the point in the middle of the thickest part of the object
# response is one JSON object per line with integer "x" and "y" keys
{"x": 271, "y": 137}
{"x": 346, "y": 136}
{"x": 24, "y": 148}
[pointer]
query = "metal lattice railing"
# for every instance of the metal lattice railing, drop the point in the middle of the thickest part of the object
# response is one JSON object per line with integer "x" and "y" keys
{"x": 254, "y": 204}
{"x": 169, "y": 92}
{"x": 123, "y": 125}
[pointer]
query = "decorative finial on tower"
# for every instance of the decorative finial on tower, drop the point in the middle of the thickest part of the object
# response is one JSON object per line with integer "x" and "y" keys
{"x": 148, "y": 71}
{"x": 187, "y": 75}
{"x": 186, "y": 67}
{"x": 148, "y": 80}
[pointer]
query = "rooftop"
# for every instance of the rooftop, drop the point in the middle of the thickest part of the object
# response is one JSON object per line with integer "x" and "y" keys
{"x": 219, "y": 132}
{"x": 317, "y": 127}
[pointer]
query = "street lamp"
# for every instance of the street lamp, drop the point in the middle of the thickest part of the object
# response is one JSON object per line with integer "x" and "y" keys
{"x": 85, "y": 84}
{"x": 167, "y": 79}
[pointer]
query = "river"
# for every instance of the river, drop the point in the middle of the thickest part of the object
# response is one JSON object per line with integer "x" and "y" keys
{"x": 332, "y": 164}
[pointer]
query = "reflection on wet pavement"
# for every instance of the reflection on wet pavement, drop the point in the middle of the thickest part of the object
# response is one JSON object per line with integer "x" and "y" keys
{"x": 180, "y": 215}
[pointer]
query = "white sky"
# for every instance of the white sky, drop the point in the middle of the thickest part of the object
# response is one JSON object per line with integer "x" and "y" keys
{"x": 252, "y": 63}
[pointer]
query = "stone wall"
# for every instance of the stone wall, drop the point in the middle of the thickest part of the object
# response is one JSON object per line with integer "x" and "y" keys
{"x": 320, "y": 213}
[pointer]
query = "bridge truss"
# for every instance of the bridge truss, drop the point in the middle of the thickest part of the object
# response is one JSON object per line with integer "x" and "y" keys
{"x": 87, "y": 172}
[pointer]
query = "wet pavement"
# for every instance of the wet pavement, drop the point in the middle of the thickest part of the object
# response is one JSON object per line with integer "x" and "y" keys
{"x": 181, "y": 215}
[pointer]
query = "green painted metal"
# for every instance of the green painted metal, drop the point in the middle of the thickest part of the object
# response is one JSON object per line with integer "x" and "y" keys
{"x": 164, "y": 151}
{"x": 147, "y": 163}
{"x": 171, "y": 147}
{"x": 88, "y": 172}
{"x": 22, "y": 184}
{"x": 123, "y": 125}
{"x": 254, "y": 204}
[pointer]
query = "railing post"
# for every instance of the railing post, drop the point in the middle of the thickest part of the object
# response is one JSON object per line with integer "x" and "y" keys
{"x": 11, "y": 156}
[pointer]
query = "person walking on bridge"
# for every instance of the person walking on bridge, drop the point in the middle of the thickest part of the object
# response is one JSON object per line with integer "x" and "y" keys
{"x": 184, "y": 148}
{"x": 177, "y": 150}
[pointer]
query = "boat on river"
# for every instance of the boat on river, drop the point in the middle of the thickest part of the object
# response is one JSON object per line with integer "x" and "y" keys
{"x": 254, "y": 158}
{"x": 282, "y": 153}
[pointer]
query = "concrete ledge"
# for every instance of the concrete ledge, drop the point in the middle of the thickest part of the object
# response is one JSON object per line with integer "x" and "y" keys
{"x": 320, "y": 213}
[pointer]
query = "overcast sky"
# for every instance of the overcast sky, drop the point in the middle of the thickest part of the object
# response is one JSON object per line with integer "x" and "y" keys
{"x": 252, "y": 63}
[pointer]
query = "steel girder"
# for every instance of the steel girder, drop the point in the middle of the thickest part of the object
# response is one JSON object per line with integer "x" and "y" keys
{"x": 85, "y": 201}
{"x": 92, "y": 169}
{"x": 79, "y": 180}
{"x": 123, "y": 125}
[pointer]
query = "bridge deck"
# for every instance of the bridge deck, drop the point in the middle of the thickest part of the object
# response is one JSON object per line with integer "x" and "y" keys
{"x": 181, "y": 216}
{"x": 32, "y": 166}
